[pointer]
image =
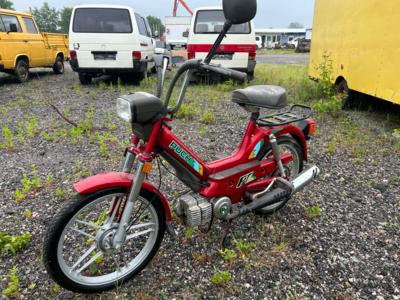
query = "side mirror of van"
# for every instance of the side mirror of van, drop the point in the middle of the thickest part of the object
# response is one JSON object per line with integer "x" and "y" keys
{"x": 185, "y": 34}
{"x": 13, "y": 27}
{"x": 240, "y": 11}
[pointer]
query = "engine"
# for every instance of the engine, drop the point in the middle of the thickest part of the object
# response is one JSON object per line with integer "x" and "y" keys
{"x": 197, "y": 210}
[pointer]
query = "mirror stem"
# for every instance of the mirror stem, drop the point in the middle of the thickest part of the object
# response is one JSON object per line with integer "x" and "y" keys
{"x": 227, "y": 26}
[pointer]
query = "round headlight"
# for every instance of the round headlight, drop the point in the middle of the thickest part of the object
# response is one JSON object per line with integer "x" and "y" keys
{"x": 124, "y": 109}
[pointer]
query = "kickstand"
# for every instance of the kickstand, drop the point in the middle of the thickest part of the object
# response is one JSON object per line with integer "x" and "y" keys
{"x": 226, "y": 241}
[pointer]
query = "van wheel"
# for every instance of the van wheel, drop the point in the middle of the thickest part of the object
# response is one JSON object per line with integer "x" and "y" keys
{"x": 250, "y": 76}
{"x": 22, "y": 71}
{"x": 85, "y": 79}
{"x": 58, "y": 67}
{"x": 143, "y": 75}
{"x": 347, "y": 95}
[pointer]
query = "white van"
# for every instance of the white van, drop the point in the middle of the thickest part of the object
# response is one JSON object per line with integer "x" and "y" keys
{"x": 238, "y": 49}
{"x": 110, "y": 39}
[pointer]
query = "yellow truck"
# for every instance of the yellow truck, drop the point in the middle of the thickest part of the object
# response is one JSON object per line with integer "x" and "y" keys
{"x": 361, "y": 40}
{"x": 22, "y": 46}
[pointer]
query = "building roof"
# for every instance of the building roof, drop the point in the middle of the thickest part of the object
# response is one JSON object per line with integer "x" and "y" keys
{"x": 280, "y": 30}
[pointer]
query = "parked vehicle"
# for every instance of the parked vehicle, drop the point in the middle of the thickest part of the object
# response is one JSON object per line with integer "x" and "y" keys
{"x": 23, "y": 46}
{"x": 175, "y": 27}
{"x": 259, "y": 42}
{"x": 361, "y": 40}
{"x": 303, "y": 45}
{"x": 110, "y": 39}
{"x": 237, "y": 51}
{"x": 115, "y": 226}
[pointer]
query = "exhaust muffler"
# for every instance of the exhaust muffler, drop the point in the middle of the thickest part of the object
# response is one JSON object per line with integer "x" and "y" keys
{"x": 282, "y": 190}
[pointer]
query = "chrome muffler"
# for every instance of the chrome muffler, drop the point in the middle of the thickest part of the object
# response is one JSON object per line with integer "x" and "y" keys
{"x": 304, "y": 178}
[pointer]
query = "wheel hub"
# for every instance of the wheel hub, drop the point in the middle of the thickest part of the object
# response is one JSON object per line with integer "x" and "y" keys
{"x": 104, "y": 238}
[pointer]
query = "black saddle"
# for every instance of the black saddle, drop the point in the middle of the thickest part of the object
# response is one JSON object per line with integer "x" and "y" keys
{"x": 265, "y": 96}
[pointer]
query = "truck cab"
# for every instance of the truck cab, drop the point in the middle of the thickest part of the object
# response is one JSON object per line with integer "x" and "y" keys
{"x": 23, "y": 46}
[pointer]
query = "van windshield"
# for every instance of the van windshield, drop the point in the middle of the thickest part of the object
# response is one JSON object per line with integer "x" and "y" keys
{"x": 212, "y": 21}
{"x": 102, "y": 20}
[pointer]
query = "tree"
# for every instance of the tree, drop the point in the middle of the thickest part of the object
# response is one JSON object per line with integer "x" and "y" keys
{"x": 65, "y": 18}
{"x": 47, "y": 18}
{"x": 5, "y": 4}
{"x": 156, "y": 25}
{"x": 296, "y": 25}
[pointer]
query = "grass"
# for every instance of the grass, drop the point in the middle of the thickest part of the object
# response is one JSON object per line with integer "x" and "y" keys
{"x": 276, "y": 51}
{"x": 221, "y": 278}
{"x": 12, "y": 289}
{"x": 13, "y": 243}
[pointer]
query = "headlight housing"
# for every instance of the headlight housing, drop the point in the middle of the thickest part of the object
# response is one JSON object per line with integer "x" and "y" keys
{"x": 124, "y": 110}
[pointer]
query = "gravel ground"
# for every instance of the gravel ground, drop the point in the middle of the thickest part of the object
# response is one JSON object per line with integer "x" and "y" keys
{"x": 348, "y": 250}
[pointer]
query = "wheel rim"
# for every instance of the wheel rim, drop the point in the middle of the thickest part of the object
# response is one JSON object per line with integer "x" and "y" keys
{"x": 23, "y": 73}
{"x": 292, "y": 169}
{"x": 60, "y": 67}
{"x": 91, "y": 265}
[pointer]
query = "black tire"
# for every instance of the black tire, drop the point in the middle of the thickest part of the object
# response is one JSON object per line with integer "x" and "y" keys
{"x": 250, "y": 76}
{"x": 348, "y": 96}
{"x": 58, "y": 67}
{"x": 292, "y": 143}
{"x": 85, "y": 79}
{"x": 62, "y": 219}
{"x": 21, "y": 71}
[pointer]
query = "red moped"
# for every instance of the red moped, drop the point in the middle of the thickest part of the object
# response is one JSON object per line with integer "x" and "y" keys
{"x": 115, "y": 225}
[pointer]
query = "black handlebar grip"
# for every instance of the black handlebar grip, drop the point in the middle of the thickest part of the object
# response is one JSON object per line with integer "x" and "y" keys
{"x": 237, "y": 75}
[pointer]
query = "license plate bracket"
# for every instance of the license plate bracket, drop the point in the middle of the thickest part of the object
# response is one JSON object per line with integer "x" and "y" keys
{"x": 104, "y": 55}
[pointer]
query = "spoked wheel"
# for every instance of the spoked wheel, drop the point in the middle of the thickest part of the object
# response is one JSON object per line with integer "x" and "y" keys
{"x": 78, "y": 249}
{"x": 290, "y": 146}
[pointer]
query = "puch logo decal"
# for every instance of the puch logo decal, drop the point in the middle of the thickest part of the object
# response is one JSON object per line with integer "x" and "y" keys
{"x": 186, "y": 157}
{"x": 256, "y": 149}
{"x": 246, "y": 179}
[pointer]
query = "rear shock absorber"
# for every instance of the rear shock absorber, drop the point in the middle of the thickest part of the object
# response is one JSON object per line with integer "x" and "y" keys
{"x": 277, "y": 154}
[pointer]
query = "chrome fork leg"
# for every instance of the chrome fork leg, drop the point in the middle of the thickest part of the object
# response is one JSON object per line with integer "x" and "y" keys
{"x": 120, "y": 235}
{"x": 128, "y": 163}
{"x": 277, "y": 154}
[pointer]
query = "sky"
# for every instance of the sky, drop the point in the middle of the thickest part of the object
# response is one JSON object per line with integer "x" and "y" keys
{"x": 271, "y": 13}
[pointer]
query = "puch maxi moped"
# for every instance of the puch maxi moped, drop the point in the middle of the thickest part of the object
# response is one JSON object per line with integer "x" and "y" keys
{"x": 115, "y": 225}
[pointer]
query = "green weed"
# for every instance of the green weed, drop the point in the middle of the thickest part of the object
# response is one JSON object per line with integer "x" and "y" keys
{"x": 208, "y": 117}
{"x": 187, "y": 111}
{"x": 60, "y": 193}
{"x": 8, "y": 137}
{"x": 189, "y": 233}
{"x": 202, "y": 130}
{"x": 19, "y": 196}
{"x": 74, "y": 134}
{"x": 31, "y": 126}
{"x": 20, "y": 133}
{"x": 228, "y": 254}
{"x": 45, "y": 135}
{"x": 28, "y": 213}
{"x": 221, "y": 278}
{"x": 4, "y": 110}
{"x": 281, "y": 248}
{"x": 12, "y": 289}
{"x": 13, "y": 243}
{"x": 77, "y": 88}
{"x": 244, "y": 247}
{"x": 22, "y": 102}
{"x": 314, "y": 211}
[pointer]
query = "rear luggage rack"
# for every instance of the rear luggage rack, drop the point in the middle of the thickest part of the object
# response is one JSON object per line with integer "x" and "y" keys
{"x": 295, "y": 113}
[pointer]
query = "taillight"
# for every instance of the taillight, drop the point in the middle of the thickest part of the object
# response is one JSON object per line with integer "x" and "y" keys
{"x": 72, "y": 54}
{"x": 252, "y": 55}
{"x": 191, "y": 55}
{"x": 137, "y": 55}
{"x": 311, "y": 127}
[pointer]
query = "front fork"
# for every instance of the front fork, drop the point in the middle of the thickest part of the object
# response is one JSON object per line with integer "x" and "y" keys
{"x": 120, "y": 234}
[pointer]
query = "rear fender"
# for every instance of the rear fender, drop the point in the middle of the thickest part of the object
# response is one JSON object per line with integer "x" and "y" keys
{"x": 297, "y": 134}
{"x": 118, "y": 179}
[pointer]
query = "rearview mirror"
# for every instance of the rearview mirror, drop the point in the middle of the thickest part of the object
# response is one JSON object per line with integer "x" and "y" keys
{"x": 240, "y": 11}
{"x": 13, "y": 27}
{"x": 185, "y": 34}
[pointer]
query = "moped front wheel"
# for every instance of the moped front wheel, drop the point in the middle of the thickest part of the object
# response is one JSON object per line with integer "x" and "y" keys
{"x": 78, "y": 251}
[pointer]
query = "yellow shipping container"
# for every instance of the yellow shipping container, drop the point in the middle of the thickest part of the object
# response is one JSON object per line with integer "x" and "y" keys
{"x": 361, "y": 38}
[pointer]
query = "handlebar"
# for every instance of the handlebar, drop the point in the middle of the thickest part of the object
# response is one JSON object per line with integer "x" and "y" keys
{"x": 187, "y": 67}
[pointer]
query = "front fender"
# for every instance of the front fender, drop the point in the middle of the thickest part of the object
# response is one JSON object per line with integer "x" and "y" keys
{"x": 118, "y": 179}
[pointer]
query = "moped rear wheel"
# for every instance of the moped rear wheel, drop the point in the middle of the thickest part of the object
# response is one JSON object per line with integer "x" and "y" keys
{"x": 78, "y": 252}
{"x": 292, "y": 169}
